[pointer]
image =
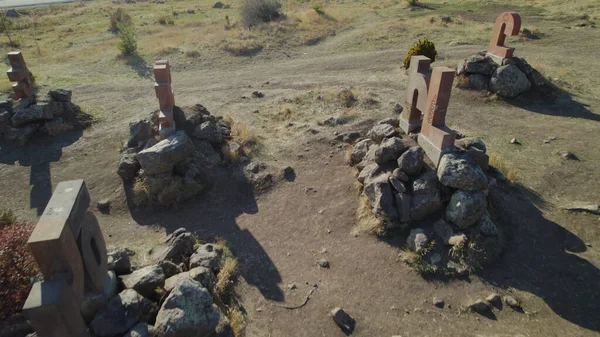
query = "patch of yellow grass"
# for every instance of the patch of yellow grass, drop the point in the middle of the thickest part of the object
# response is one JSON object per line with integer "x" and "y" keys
{"x": 367, "y": 222}
{"x": 498, "y": 162}
{"x": 237, "y": 320}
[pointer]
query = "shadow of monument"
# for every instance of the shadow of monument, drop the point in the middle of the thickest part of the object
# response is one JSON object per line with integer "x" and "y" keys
{"x": 212, "y": 215}
{"x": 38, "y": 153}
{"x": 538, "y": 258}
{"x": 141, "y": 67}
{"x": 562, "y": 105}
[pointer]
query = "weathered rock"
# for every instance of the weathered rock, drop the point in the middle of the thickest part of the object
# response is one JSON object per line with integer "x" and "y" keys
{"x": 219, "y": 5}
{"x": 379, "y": 132}
{"x": 4, "y": 120}
{"x": 389, "y": 150}
{"x": 169, "y": 268}
{"x": 397, "y": 185}
{"x": 163, "y": 156}
{"x": 403, "y": 206}
{"x": 348, "y": 137}
{"x": 427, "y": 183}
{"x": 469, "y": 142}
{"x": 123, "y": 312}
{"x": 479, "y": 64}
{"x": 417, "y": 240}
{"x": 411, "y": 162}
{"x": 493, "y": 298}
{"x": 435, "y": 258}
{"x": 257, "y": 94}
{"x": 426, "y": 197}
{"x": 208, "y": 131}
{"x": 56, "y": 126}
{"x": 459, "y": 172}
{"x": 480, "y": 306}
{"x": 208, "y": 256}
{"x": 508, "y": 81}
{"x": 370, "y": 156}
{"x": 177, "y": 247}
{"x": 443, "y": 231}
{"x": 359, "y": 151}
{"x": 140, "y": 330}
{"x": 94, "y": 303}
{"x": 21, "y": 135}
{"x": 128, "y": 166}
{"x": 487, "y": 226}
{"x": 379, "y": 192}
{"x": 478, "y": 82}
{"x": 323, "y": 263}
{"x": 145, "y": 280}
{"x": 60, "y": 95}
{"x": 438, "y": 302}
{"x": 289, "y": 174}
{"x": 400, "y": 175}
{"x": 398, "y": 108}
{"x": 343, "y": 320}
{"x": 334, "y": 121}
{"x": 480, "y": 158}
{"x": 118, "y": 260}
{"x": 537, "y": 79}
{"x": 139, "y": 132}
{"x": 253, "y": 167}
{"x": 12, "y": 13}
{"x": 389, "y": 121}
{"x": 458, "y": 239}
{"x": 368, "y": 172}
{"x": 31, "y": 114}
{"x": 512, "y": 302}
{"x": 202, "y": 275}
{"x": 187, "y": 311}
{"x": 223, "y": 329}
{"x": 466, "y": 208}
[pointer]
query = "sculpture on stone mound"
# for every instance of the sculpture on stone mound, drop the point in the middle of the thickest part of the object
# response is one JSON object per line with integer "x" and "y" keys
{"x": 69, "y": 248}
{"x": 20, "y": 75}
{"x": 416, "y": 92}
{"x": 507, "y": 23}
{"x": 166, "y": 98}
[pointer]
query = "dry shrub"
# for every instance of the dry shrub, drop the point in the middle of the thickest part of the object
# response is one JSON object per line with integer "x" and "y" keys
{"x": 462, "y": 81}
{"x": 119, "y": 17}
{"x": 237, "y": 320}
{"x": 499, "y": 163}
{"x": 243, "y": 135}
{"x": 17, "y": 265}
{"x": 255, "y": 12}
{"x": 424, "y": 47}
{"x": 242, "y": 45}
{"x": 347, "y": 97}
{"x": 367, "y": 222}
{"x": 164, "y": 192}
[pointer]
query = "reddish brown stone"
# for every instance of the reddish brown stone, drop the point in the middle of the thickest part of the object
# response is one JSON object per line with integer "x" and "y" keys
{"x": 166, "y": 98}
{"x": 416, "y": 92}
{"x": 20, "y": 74}
{"x": 507, "y": 23}
{"x": 435, "y": 137}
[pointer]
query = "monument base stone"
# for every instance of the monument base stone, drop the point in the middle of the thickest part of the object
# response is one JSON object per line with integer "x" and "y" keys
{"x": 407, "y": 126}
{"x": 433, "y": 152}
{"x": 497, "y": 59}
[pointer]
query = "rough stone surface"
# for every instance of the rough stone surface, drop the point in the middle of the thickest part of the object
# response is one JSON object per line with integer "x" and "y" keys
{"x": 187, "y": 311}
{"x": 145, "y": 280}
{"x": 389, "y": 150}
{"x": 128, "y": 166}
{"x": 426, "y": 184}
{"x": 360, "y": 151}
{"x": 487, "y": 226}
{"x": 208, "y": 131}
{"x": 443, "y": 231}
{"x": 139, "y": 132}
{"x": 508, "y": 81}
{"x": 169, "y": 268}
{"x": 493, "y": 298}
{"x": 60, "y": 95}
{"x": 512, "y": 302}
{"x": 118, "y": 260}
{"x": 379, "y": 192}
{"x": 370, "y": 156}
{"x": 417, "y": 240}
{"x": 96, "y": 302}
{"x": 208, "y": 256}
{"x": 411, "y": 162}
{"x": 400, "y": 175}
{"x": 202, "y": 275}
{"x": 397, "y": 185}
{"x": 163, "y": 156}
{"x": 379, "y": 132}
{"x": 389, "y": 121}
{"x": 469, "y": 142}
{"x": 123, "y": 312}
{"x": 426, "y": 197}
{"x": 343, "y": 320}
{"x": 368, "y": 172}
{"x": 480, "y": 306}
{"x": 323, "y": 263}
{"x": 459, "y": 172}
{"x": 177, "y": 247}
{"x": 466, "y": 208}
{"x": 403, "y": 206}
{"x": 478, "y": 82}
{"x": 30, "y": 114}
{"x": 140, "y": 330}
{"x": 480, "y": 158}
{"x": 478, "y": 64}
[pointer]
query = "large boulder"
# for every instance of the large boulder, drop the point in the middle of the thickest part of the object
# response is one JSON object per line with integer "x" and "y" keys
{"x": 145, "y": 280}
{"x": 139, "y": 132}
{"x": 187, "y": 311}
{"x": 381, "y": 131}
{"x": 466, "y": 208}
{"x": 208, "y": 256}
{"x": 128, "y": 166}
{"x": 478, "y": 82}
{"x": 169, "y": 268}
{"x": 390, "y": 149}
{"x": 30, "y": 114}
{"x": 459, "y": 172}
{"x": 368, "y": 172}
{"x": 163, "y": 156}
{"x": 508, "y": 81}
{"x": 379, "y": 192}
{"x": 360, "y": 151}
{"x": 411, "y": 162}
{"x": 123, "y": 312}
{"x": 426, "y": 198}
{"x": 209, "y": 132}
{"x": 177, "y": 247}
{"x": 202, "y": 275}
{"x": 20, "y": 136}
{"x": 471, "y": 142}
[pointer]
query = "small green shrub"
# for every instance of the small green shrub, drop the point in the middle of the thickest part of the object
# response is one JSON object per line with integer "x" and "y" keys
{"x": 424, "y": 47}
{"x": 127, "y": 39}
{"x": 319, "y": 9}
{"x": 118, "y": 17}
{"x": 255, "y": 12}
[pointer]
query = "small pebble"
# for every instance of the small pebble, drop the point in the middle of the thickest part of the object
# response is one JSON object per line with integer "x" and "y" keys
{"x": 323, "y": 263}
{"x": 438, "y": 302}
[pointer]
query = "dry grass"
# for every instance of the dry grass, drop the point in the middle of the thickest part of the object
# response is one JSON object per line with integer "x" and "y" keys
{"x": 167, "y": 193}
{"x": 237, "y": 320}
{"x": 499, "y": 163}
{"x": 462, "y": 81}
{"x": 367, "y": 222}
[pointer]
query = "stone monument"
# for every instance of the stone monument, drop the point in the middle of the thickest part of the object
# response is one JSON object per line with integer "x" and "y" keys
{"x": 166, "y": 98}
{"x": 20, "y": 75}
{"x": 507, "y": 23}
{"x": 69, "y": 249}
{"x": 416, "y": 92}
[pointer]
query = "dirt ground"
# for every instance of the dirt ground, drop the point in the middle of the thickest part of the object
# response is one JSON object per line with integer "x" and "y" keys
{"x": 550, "y": 263}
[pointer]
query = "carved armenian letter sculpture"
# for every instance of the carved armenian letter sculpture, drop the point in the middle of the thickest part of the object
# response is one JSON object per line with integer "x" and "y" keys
{"x": 166, "y": 98}
{"x": 435, "y": 137}
{"x": 507, "y": 23}
{"x": 416, "y": 92}
{"x": 19, "y": 73}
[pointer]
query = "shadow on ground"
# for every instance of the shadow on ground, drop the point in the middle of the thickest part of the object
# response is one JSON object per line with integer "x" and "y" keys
{"x": 539, "y": 258}
{"x": 563, "y": 106}
{"x": 213, "y": 215}
{"x": 141, "y": 67}
{"x": 38, "y": 153}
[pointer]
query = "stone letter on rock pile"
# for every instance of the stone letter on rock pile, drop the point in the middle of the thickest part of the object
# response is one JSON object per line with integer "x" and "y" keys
{"x": 507, "y": 23}
{"x": 166, "y": 98}
{"x": 69, "y": 249}
{"x": 416, "y": 92}
{"x": 20, "y": 74}
{"x": 435, "y": 137}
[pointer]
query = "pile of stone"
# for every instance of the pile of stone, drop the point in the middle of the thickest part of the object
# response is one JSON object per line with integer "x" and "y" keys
{"x": 186, "y": 158}
{"x": 51, "y": 115}
{"x": 447, "y": 205}
{"x": 172, "y": 296}
{"x": 510, "y": 78}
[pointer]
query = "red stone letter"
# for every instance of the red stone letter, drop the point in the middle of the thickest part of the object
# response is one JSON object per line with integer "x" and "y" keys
{"x": 166, "y": 98}
{"x": 507, "y": 23}
{"x": 416, "y": 92}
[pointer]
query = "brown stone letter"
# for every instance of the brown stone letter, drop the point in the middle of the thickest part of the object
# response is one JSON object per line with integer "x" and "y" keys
{"x": 416, "y": 92}
{"x": 507, "y": 23}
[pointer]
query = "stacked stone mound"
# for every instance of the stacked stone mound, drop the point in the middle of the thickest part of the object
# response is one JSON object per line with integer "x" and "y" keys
{"x": 184, "y": 161}
{"x": 509, "y": 79}
{"x": 51, "y": 115}
{"x": 448, "y": 205}
{"x": 171, "y": 297}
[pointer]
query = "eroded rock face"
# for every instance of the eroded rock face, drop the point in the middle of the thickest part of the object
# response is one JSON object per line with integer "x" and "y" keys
{"x": 417, "y": 240}
{"x": 508, "y": 81}
{"x": 390, "y": 149}
{"x": 140, "y": 330}
{"x": 30, "y": 114}
{"x": 379, "y": 192}
{"x": 208, "y": 256}
{"x": 128, "y": 166}
{"x": 202, "y": 275}
{"x": 187, "y": 311}
{"x": 360, "y": 151}
{"x": 139, "y": 132}
{"x": 379, "y": 132}
{"x": 118, "y": 260}
{"x": 426, "y": 198}
{"x": 411, "y": 162}
{"x": 466, "y": 208}
{"x": 459, "y": 172}
{"x": 163, "y": 156}
{"x": 145, "y": 280}
{"x": 209, "y": 132}
{"x": 123, "y": 312}
{"x": 177, "y": 247}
